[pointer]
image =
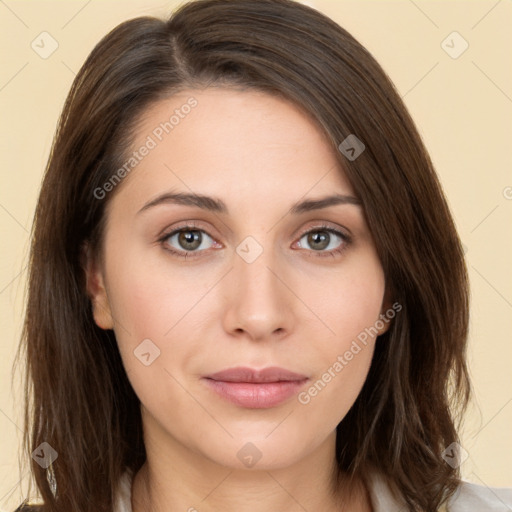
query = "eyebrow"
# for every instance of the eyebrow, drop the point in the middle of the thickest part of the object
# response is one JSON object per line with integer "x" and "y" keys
{"x": 218, "y": 206}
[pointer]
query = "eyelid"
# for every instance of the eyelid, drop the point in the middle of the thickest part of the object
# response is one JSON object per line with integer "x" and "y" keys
{"x": 192, "y": 225}
{"x": 328, "y": 226}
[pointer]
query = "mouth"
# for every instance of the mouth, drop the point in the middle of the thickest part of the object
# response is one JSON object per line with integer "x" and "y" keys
{"x": 256, "y": 389}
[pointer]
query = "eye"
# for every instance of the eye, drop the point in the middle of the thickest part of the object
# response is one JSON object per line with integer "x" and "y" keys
{"x": 186, "y": 240}
{"x": 325, "y": 240}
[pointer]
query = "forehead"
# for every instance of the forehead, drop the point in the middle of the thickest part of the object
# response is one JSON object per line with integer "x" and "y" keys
{"x": 227, "y": 142}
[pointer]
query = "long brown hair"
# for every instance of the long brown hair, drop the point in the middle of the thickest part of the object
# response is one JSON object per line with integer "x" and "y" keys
{"x": 77, "y": 395}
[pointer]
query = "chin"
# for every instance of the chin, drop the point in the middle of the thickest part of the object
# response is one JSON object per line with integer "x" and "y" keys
{"x": 261, "y": 450}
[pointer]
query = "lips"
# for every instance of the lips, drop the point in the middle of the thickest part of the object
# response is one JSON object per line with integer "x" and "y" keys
{"x": 256, "y": 389}
{"x": 244, "y": 374}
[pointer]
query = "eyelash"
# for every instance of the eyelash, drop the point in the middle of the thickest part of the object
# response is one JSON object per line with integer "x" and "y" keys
{"x": 192, "y": 227}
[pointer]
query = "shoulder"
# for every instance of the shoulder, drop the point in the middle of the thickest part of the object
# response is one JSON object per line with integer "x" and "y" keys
{"x": 471, "y": 497}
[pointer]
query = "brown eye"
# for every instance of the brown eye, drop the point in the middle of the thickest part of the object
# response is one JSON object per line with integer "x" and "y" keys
{"x": 190, "y": 240}
{"x": 186, "y": 240}
{"x": 324, "y": 240}
{"x": 318, "y": 240}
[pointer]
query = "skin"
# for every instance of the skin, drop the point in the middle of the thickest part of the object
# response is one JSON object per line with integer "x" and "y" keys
{"x": 291, "y": 307}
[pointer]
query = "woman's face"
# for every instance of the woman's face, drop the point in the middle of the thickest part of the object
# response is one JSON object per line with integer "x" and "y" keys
{"x": 261, "y": 276}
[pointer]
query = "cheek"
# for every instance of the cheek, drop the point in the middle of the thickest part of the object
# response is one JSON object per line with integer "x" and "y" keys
{"x": 153, "y": 313}
{"x": 149, "y": 297}
{"x": 351, "y": 308}
{"x": 158, "y": 310}
{"x": 352, "y": 302}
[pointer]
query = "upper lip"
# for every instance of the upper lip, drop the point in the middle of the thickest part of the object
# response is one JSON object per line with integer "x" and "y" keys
{"x": 246, "y": 374}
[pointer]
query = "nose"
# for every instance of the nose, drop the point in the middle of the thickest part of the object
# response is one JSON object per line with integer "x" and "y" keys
{"x": 259, "y": 303}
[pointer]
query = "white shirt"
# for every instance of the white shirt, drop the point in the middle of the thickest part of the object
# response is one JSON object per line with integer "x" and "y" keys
{"x": 468, "y": 498}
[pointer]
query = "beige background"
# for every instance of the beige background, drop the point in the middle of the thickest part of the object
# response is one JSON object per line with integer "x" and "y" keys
{"x": 463, "y": 107}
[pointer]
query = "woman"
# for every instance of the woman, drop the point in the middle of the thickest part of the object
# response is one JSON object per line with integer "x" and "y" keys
{"x": 246, "y": 287}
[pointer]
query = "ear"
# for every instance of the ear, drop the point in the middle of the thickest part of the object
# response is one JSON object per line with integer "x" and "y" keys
{"x": 95, "y": 286}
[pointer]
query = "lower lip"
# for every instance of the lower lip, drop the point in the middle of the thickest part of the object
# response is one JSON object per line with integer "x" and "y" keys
{"x": 256, "y": 395}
